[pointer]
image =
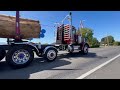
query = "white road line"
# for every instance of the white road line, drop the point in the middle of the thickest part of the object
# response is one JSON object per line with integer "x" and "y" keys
{"x": 98, "y": 67}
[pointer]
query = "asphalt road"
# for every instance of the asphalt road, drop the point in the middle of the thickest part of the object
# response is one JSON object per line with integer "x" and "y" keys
{"x": 69, "y": 66}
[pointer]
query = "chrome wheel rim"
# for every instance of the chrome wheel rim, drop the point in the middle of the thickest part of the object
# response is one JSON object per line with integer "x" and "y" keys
{"x": 20, "y": 56}
{"x": 86, "y": 49}
{"x": 51, "y": 55}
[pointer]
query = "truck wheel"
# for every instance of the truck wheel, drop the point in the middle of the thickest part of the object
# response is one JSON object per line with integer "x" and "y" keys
{"x": 19, "y": 56}
{"x": 85, "y": 50}
{"x": 50, "y": 54}
{"x": 2, "y": 53}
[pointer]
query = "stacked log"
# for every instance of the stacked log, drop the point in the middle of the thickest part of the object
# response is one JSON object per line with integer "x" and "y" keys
{"x": 28, "y": 28}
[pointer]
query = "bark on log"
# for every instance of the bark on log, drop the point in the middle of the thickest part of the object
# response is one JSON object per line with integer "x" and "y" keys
{"x": 28, "y": 28}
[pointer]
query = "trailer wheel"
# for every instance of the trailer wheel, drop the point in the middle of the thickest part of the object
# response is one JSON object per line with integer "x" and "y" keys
{"x": 2, "y": 53}
{"x": 19, "y": 56}
{"x": 50, "y": 54}
{"x": 85, "y": 50}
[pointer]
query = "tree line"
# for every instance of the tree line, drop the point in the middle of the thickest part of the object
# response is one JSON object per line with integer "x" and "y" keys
{"x": 109, "y": 41}
{"x": 93, "y": 41}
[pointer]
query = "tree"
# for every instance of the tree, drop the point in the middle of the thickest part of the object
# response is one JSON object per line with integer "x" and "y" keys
{"x": 116, "y": 43}
{"x": 111, "y": 40}
{"x": 103, "y": 40}
{"x": 108, "y": 40}
{"x": 95, "y": 43}
{"x": 86, "y": 33}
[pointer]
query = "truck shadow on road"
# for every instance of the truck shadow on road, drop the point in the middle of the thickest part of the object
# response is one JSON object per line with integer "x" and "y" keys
{"x": 39, "y": 65}
{"x": 78, "y": 55}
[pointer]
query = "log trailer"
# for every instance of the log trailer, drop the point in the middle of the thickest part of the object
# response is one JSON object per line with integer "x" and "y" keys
{"x": 19, "y": 53}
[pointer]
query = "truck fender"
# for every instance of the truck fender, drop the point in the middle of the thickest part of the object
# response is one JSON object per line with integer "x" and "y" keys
{"x": 48, "y": 48}
{"x": 84, "y": 45}
{"x": 29, "y": 44}
{"x": 36, "y": 49}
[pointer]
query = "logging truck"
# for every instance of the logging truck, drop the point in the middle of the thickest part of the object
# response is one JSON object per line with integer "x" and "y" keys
{"x": 19, "y": 53}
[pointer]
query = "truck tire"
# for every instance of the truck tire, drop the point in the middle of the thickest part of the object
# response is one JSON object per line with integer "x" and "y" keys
{"x": 2, "y": 53}
{"x": 50, "y": 54}
{"x": 85, "y": 50}
{"x": 19, "y": 57}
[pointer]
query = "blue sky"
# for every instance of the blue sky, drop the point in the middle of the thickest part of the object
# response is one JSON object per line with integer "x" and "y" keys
{"x": 102, "y": 22}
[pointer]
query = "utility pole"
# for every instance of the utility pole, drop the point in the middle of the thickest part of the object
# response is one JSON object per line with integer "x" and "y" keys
{"x": 81, "y": 26}
{"x": 107, "y": 40}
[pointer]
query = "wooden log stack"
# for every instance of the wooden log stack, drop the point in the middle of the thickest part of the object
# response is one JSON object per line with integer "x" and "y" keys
{"x": 28, "y": 28}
